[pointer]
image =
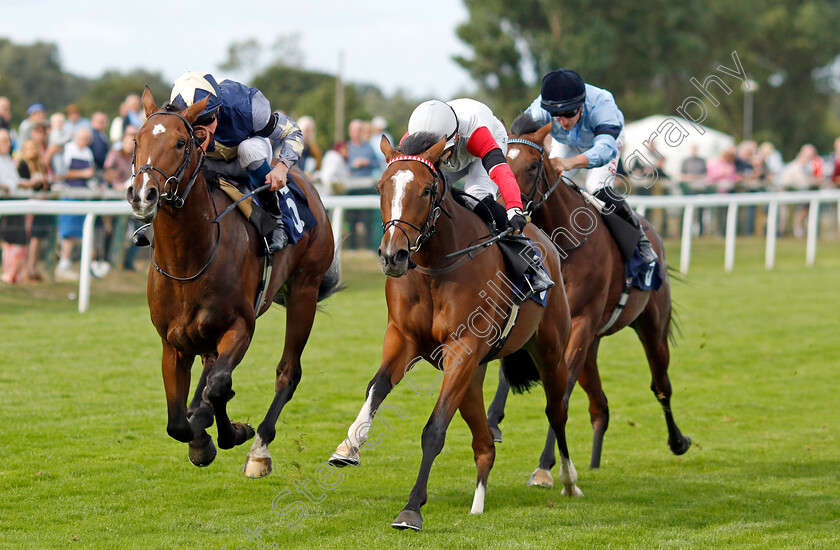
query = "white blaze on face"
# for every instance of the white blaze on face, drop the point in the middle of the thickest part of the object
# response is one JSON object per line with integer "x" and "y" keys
{"x": 512, "y": 153}
{"x": 158, "y": 129}
{"x": 401, "y": 180}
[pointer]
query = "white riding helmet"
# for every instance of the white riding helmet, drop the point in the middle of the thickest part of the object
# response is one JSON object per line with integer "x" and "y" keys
{"x": 435, "y": 117}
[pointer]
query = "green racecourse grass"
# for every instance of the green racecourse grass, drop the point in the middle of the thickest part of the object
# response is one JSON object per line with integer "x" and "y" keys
{"x": 85, "y": 461}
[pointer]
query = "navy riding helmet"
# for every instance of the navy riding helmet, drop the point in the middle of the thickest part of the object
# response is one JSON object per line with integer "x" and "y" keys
{"x": 562, "y": 91}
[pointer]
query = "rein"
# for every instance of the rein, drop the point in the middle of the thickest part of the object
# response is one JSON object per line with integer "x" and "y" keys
{"x": 170, "y": 187}
{"x": 531, "y": 206}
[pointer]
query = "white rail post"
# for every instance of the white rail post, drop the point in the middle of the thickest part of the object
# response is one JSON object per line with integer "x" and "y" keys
{"x": 770, "y": 245}
{"x": 84, "y": 263}
{"x": 336, "y": 222}
{"x": 687, "y": 229}
{"x": 731, "y": 230}
{"x": 813, "y": 225}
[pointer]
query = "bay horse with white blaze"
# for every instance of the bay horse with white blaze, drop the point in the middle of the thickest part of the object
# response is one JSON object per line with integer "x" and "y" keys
{"x": 204, "y": 280}
{"x": 594, "y": 276}
{"x": 450, "y": 313}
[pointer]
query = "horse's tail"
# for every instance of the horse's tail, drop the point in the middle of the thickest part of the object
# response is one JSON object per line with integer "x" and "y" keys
{"x": 520, "y": 371}
{"x": 331, "y": 283}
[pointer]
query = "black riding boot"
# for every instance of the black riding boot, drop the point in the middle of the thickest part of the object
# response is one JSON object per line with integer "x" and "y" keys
{"x": 279, "y": 238}
{"x": 493, "y": 212}
{"x": 619, "y": 206}
{"x": 143, "y": 235}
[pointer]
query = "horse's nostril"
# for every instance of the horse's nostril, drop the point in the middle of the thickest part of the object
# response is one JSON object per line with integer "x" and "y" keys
{"x": 401, "y": 256}
{"x": 151, "y": 195}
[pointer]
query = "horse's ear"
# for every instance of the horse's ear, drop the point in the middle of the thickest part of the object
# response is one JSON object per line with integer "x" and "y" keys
{"x": 193, "y": 111}
{"x": 387, "y": 149}
{"x": 542, "y": 132}
{"x": 433, "y": 153}
{"x": 149, "y": 101}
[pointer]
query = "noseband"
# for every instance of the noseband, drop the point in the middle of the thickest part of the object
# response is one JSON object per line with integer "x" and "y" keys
{"x": 532, "y": 203}
{"x": 435, "y": 207}
{"x": 171, "y": 184}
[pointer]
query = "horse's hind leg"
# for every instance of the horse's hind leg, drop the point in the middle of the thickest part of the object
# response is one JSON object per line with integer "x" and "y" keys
{"x": 472, "y": 410}
{"x": 496, "y": 410}
{"x": 599, "y": 411}
{"x": 301, "y": 306}
{"x": 231, "y": 348}
{"x": 207, "y": 363}
{"x": 652, "y": 329}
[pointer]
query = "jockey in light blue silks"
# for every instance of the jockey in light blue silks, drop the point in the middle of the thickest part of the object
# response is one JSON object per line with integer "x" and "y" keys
{"x": 587, "y": 128}
{"x": 243, "y": 125}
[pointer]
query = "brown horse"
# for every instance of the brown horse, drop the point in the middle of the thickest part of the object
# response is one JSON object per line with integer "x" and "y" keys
{"x": 450, "y": 313}
{"x": 593, "y": 272}
{"x": 204, "y": 280}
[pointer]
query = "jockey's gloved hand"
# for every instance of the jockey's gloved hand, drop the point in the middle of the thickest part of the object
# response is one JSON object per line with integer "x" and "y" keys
{"x": 516, "y": 219}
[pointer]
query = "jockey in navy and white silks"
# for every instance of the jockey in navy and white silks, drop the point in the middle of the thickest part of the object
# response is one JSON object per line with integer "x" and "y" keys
{"x": 587, "y": 130}
{"x": 243, "y": 125}
{"x": 476, "y": 143}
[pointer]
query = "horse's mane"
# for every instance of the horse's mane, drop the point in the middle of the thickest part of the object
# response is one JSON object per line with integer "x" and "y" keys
{"x": 524, "y": 124}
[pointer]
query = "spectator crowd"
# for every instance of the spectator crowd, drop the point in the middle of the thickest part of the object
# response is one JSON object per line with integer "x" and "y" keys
{"x": 69, "y": 150}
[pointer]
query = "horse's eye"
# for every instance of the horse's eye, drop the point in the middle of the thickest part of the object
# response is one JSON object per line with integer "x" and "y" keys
{"x": 181, "y": 143}
{"x": 534, "y": 165}
{"x": 427, "y": 191}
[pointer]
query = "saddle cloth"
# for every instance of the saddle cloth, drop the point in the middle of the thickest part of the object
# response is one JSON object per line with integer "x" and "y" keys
{"x": 294, "y": 208}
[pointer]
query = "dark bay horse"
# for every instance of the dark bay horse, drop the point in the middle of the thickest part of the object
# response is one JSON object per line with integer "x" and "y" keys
{"x": 451, "y": 313}
{"x": 593, "y": 273}
{"x": 203, "y": 283}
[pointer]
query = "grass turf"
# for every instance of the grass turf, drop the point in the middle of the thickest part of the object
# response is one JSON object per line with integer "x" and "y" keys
{"x": 85, "y": 461}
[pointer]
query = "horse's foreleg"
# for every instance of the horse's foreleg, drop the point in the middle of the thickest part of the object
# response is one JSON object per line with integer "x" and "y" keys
{"x": 175, "y": 367}
{"x": 207, "y": 364}
{"x": 300, "y": 313}
{"x": 399, "y": 354}
{"x": 231, "y": 348}
{"x": 496, "y": 410}
{"x": 472, "y": 410}
{"x": 455, "y": 385}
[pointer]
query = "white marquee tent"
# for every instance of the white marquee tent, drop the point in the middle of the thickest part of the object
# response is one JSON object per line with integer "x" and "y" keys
{"x": 673, "y": 137}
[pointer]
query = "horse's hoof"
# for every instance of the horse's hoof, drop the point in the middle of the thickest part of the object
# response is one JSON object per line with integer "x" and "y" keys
{"x": 243, "y": 431}
{"x": 541, "y": 478}
{"x": 497, "y": 434}
{"x": 257, "y": 467}
{"x": 408, "y": 519}
{"x": 203, "y": 456}
{"x": 345, "y": 455}
{"x": 683, "y": 446}
{"x": 572, "y": 491}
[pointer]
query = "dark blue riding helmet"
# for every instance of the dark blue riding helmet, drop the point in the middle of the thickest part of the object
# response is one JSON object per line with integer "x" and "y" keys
{"x": 562, "y": 91}
{"x": 193, "y": 86}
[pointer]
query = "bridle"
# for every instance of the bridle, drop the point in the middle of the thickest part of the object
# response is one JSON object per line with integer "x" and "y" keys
{"x": 171, "y": 185}
{"x": 435, "y": 207}
{"x": 532, "y": 203}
